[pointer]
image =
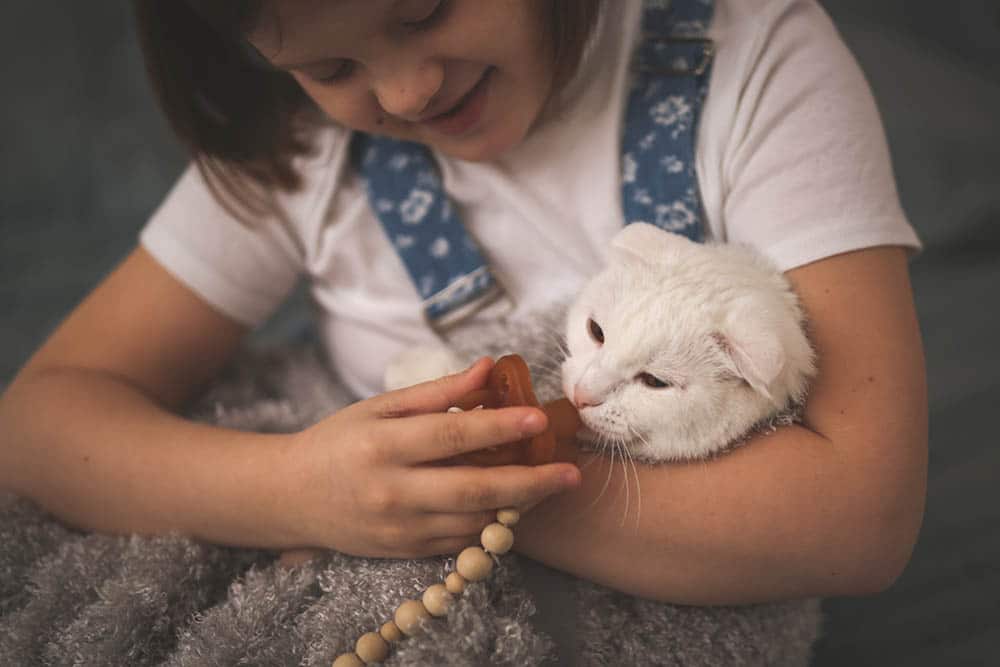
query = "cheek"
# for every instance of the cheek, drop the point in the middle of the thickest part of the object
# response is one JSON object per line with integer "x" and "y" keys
{"x": 571, "y": 369}
{"x": 651, "y": 411}
{"x": 576, "y": 328}
{"x": 350, "y": 106}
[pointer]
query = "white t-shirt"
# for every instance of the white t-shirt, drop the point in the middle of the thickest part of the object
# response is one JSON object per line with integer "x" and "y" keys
{"x": 791, "y": 158}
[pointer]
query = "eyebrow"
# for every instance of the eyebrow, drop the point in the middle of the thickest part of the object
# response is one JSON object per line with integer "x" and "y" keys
{"x": 304, "y": 65}
{"x": 318, "y": 61}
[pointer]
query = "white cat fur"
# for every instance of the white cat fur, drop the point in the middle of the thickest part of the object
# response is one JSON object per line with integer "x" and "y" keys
{"x": 718, "y": 322}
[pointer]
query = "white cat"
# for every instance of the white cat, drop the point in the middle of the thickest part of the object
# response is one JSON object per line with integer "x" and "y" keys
{"x": 675, "y": 351}
{"x": 678, "y": 349}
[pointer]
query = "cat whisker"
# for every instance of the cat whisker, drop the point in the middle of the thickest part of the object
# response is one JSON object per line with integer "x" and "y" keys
{"x": 624, "y": 450}
{"x": 593, "y": 457}
{"x": 557, "y": 338}
{"x": 563, "y": 352}
{"x": 546, "y": 368}
{"x": 602, "y": 446}
{"x": 551, "y": 363}
{"x": 635, "y": 471}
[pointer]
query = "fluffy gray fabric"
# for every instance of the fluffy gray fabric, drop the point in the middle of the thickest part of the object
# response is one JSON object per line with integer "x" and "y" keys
{"x": 68, "y": 597}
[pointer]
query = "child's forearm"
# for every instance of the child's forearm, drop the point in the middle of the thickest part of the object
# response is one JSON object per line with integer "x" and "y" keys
{"x": 787, "y": 516}
{"x": 99, "y": 454}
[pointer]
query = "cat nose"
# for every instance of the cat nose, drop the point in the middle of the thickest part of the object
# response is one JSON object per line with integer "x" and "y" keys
{"x": 583, "y": 399}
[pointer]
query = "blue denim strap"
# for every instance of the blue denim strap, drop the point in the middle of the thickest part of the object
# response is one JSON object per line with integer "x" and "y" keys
{"x": 670, "y": 74}
{"x": 671, "y": 69}
{"x": 404, "y": 190}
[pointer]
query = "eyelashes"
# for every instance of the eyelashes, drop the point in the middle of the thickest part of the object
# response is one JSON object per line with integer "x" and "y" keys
{"x": 343, "y": 70}
{"x": 426, "y": 20}
{"x": 647, "y": 379}
{"x": 652, "y": 381}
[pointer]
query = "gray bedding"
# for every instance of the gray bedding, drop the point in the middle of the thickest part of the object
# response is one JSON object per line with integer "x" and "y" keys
{"x": 73, "y": 598}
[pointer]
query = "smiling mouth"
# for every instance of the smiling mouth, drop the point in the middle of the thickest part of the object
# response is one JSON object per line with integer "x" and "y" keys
{"x": 457, "y": 106}
{"x": 466, "y": 112}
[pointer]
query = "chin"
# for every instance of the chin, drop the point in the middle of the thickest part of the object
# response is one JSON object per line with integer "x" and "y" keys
{"x": 479, "y": 149}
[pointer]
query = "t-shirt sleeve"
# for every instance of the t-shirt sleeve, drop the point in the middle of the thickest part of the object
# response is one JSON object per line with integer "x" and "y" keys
{"x": 243, "y": 271}
{"x": 808, "y": 169}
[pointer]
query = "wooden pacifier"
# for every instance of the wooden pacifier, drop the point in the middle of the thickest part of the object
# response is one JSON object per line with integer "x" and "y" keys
{"x": 509, "y": 385}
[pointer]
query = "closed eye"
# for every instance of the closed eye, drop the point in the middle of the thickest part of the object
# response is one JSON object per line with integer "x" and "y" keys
{"x": 653, "y": 382}
{"x": 337, "y": 71}
{"x": 428, "y": 16}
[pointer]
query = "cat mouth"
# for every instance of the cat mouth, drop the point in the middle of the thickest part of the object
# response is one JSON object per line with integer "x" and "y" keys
{"x": 599, "y": 432}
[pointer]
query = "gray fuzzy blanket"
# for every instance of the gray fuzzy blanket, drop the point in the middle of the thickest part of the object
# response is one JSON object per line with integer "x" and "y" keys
{"x": 73, "y": 598}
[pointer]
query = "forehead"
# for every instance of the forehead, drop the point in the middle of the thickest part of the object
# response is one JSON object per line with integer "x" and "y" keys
{"x": 292, "y": 29}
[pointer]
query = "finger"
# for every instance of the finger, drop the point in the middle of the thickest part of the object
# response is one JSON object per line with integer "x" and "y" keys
{"x": 433, "y": 396}
{"x": 448, "y": 546}
{"x": 439, "y": 436}
{"x": 477, "y": 489}
{"x": 439, "y": 525}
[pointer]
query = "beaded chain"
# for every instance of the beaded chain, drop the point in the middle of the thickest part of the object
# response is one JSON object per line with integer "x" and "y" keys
{"x": 473, "y": 564}
{"x": 509, "y": 385}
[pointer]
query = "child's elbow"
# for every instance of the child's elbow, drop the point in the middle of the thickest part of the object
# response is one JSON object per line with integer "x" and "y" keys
{"x": 879, "y": 573}
{"x": 885, "y": 547}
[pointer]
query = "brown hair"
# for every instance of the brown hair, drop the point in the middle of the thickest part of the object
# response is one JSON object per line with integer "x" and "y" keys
{"x": 244, "y": 123}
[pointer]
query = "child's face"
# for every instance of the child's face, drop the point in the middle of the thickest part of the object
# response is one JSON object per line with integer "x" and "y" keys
{"x": 467, "y": 77}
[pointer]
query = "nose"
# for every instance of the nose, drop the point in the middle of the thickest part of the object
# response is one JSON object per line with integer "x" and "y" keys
{"x": 405, "y": 90}
{"x": 584, "y": 399}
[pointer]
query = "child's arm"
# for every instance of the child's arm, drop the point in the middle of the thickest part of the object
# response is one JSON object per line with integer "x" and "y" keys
{"x": 87, "y": 430}
{"x": 832, "y": 507}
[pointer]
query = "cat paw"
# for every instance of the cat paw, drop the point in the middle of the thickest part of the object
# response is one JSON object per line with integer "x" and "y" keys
{"x": 420, "y": 364}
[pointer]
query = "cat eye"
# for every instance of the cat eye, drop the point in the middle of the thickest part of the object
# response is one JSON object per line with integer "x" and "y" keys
{"x": 652, "y": 381}
{"x": 595, "y": 331}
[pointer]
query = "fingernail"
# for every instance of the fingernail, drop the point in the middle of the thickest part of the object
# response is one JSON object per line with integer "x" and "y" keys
{"x": 474, "y": 364}
{"x": 571, "y": 477}
{"x": 533, "y": 421}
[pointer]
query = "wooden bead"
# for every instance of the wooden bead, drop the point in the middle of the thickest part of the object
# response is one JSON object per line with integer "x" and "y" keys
{"x": 474, "y": 564}
{"x": 371, "y": 648}
{"x": 455, "y": 583}
{"x": 497, "y": 538}
{"x": 348, "y": 660}
{"x": 508, "y": 516}
{"x": 437, "y": 599}
{"x": 390, "y": 632}
{"x": 408, "y": 617}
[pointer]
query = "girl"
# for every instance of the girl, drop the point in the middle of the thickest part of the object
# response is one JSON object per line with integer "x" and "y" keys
{"x": 519, "y": 102}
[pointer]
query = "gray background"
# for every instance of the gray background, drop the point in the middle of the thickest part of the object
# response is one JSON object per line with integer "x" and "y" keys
{"x": 86, "y": 157}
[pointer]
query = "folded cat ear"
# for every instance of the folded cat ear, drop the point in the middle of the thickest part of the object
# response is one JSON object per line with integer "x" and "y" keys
{"x": 649, "y": 243}
{"x": 757, "y": 357}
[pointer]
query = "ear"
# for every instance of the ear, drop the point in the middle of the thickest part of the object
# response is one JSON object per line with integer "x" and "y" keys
{"x": 646, "y": 242}
{"x": 757, "y": 357}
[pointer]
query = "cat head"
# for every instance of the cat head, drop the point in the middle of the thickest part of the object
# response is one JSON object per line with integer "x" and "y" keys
{"x": 676, "y": 349}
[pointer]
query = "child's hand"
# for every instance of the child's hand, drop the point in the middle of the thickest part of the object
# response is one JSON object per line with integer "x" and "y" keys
{"x": 366, "y": 481}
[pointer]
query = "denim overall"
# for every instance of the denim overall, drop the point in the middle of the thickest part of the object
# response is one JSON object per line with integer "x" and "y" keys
{"x": 670, "y": 74}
